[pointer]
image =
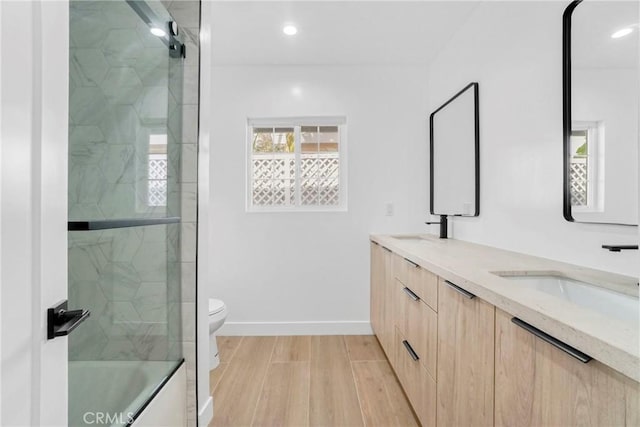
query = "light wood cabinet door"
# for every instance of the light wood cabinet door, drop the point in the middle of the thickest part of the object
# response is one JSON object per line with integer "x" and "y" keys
{"x": 540, "y": 385}
{"x": 465, "y": 371}
{"x": 387, "y": 333}
{"x": 377, "y": 282}
{"x": 382, "y": 286}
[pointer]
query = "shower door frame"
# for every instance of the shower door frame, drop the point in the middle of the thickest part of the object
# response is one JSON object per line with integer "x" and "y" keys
{"x": 33, "y": 209}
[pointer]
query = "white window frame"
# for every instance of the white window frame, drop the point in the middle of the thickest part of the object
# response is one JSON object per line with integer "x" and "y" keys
{"x": 296, "y": 123}
{"x": 595, "y": 165}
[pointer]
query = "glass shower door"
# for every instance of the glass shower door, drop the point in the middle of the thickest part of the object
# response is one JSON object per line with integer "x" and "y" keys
{"x": 124, "y": 206}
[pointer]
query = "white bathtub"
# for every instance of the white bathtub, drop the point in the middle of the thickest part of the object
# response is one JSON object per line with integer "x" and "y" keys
{"x": 110, "y": 393}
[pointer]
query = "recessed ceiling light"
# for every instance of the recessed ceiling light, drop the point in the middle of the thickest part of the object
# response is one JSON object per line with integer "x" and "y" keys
{"x": 290, "y": 30}
{"x": 621, "y": 33}
{"x": 159, "y": 32}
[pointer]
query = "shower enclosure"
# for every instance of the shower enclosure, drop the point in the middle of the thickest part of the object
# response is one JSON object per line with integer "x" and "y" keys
{"x": 126, "y": 62}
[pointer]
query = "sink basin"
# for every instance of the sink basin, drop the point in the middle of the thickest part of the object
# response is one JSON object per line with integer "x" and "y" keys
{"x": 607, "y": 302}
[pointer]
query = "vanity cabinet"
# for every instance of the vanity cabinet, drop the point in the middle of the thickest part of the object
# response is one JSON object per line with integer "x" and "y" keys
{"x": 463, "y": 362}
{"x": 382, "y": 278}
{"x": 442, "y": 341}
{"x": 465, "y": 358}
{"x": 538, "y": 384}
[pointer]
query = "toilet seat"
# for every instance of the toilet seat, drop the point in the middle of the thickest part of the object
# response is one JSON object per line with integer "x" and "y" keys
{"x": 215, "y": 306}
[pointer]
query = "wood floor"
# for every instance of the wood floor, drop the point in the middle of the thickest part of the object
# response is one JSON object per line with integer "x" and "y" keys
{"x": 327, "y": 381}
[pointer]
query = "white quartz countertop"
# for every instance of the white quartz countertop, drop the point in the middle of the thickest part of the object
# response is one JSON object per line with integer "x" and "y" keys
{"x": 613, "y": 342}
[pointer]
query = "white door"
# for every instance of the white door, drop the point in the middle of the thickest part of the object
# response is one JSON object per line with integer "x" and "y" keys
{"x": 33, "y": 209}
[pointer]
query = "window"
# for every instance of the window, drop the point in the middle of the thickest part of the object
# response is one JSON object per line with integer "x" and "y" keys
{"x": 157, "y": 171}
{"x": 296, "y": 164}
{"x": 587, "y": 167}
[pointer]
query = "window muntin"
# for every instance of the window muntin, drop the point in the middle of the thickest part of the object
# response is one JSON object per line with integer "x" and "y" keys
{"x": 297, "y": 166}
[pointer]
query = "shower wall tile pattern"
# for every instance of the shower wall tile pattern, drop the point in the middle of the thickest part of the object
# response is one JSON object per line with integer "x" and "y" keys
{"x": 139, "y": 283}
{"x": 118, "y": 97}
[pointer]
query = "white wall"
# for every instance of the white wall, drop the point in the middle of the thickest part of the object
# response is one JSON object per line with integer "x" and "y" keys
{"x": 610, "y": 96}
{"x": 513, "y": 49}
{"x": 313, "y": 267}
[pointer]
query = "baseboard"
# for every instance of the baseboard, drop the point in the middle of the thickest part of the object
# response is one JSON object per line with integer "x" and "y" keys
{"x": 206, "y": 413}
{"x": 295, "y": 328}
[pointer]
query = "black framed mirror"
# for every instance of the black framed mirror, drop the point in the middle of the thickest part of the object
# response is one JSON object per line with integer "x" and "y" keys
{"x": 454, "y": 148}
{"x": 600, "y": 111}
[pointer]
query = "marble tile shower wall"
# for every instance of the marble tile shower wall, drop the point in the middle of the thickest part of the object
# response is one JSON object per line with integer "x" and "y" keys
{"x": 127, "y": 279}
{"x": 139, "y": 282}
{"x": 119, "y": 96}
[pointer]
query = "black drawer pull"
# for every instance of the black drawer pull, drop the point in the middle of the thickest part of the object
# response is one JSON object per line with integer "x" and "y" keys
{"x": 457, "y": 288}
{"x": 386, "y": 249}
{"x": 412, "y": 263}
{"x": 411, "y": 294}
{"x": 573, "y": 352}
{"x": 410, "y": 350}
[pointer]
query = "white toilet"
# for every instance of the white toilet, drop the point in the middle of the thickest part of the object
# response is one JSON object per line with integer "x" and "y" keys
{"x": 217, "y": 315}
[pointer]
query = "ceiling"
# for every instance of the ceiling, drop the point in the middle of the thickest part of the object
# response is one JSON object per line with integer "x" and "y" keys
{"x": 334, "y": 32}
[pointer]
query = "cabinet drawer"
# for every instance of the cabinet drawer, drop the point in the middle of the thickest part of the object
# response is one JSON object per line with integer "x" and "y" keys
{"x": 418, "y": 385}
{"x": 418, "y": 323}
{"x": 423, "y": 282}
{"x": 574, "y": 393}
